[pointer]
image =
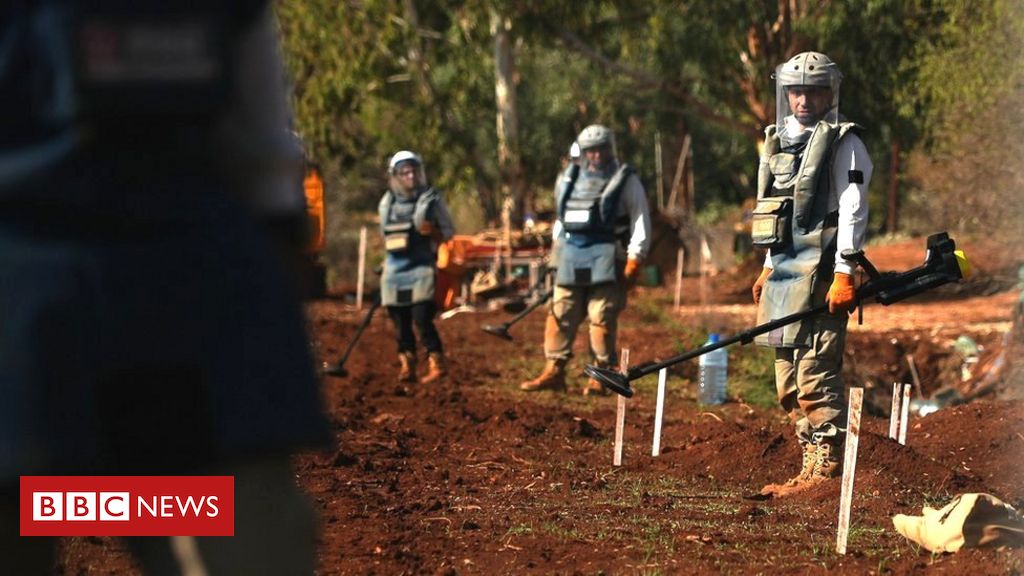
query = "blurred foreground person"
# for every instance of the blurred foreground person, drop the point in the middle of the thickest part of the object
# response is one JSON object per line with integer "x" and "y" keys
{"x": 601, "y": 236}
{"x": 150, "y": 211}
{"x": 811, "y": 205}
{"x": 414, "y": 219}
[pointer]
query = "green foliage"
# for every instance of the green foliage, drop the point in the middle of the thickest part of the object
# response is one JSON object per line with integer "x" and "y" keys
{"x": 375, "y": 76}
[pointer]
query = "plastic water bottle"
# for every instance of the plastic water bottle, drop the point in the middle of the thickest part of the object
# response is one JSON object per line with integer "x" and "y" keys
{"x": 714, "y": 369}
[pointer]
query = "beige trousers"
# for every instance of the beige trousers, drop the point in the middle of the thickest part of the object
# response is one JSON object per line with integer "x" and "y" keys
{"x": 600, "y": 304}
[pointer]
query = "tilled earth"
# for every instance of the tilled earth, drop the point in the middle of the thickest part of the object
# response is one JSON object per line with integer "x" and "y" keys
{"x": 471, "y": 476}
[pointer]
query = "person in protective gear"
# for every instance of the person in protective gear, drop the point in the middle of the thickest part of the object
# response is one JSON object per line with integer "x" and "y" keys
{"x": 813, "y": 180}
{"x": 147, "y": 225}
{"x": 601, "y": 236}
{"x": 414, "y": 220}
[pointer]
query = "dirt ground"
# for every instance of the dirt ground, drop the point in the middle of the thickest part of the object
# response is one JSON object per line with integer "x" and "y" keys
{"x": 471, "y": 476}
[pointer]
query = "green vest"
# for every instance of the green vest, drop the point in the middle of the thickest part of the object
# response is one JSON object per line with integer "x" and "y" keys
{"x": 797, "y": 188}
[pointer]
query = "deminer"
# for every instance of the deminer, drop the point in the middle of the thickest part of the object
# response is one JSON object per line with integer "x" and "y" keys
{"x": 414, "y": 219}
{"x": 601, "y": 236}
{"x": 812, "y": 189}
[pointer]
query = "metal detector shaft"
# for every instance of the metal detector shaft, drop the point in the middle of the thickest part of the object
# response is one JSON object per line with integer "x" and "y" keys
{"x": 526, "y": 312}
{"x": 359, "y": 330}
{"x": 743, "y": 338}
{"x": 942, "y": 265}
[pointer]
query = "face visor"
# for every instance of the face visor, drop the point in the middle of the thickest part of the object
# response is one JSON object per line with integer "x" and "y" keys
{"x": 597, "y": 137}
{"x": 807, "y": 92}
{"x": 407, "y": 176}
{"x": 406, "y": 173}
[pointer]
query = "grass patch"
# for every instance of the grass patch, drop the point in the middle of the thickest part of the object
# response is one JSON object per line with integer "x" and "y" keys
{"x": 752, "y": 375}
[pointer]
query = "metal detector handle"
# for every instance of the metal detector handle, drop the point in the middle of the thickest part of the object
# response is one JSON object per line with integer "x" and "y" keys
{"x": 859, "y": 258}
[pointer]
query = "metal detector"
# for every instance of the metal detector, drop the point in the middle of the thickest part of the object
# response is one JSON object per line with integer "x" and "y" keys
{"x": 943, "y": 264}
{"x": 501, "y": 331}
{"x": 338, "y": 368}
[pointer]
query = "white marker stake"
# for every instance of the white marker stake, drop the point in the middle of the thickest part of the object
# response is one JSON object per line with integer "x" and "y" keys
{"x": 658, "y": 411}
{"x": 849, "y": 467}
{"x": 620, "y": 412}
{"x": 905, "y": 414}
{"x": 894, "y": 413}
{"x": 680, "y": 254}
{"x": 361, "y": 270}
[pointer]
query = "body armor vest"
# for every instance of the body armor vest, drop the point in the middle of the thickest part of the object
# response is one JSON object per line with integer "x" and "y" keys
{"x": 588, "y": 204}
{"x": 408, "y": 276}
{"x": 796, "y": 218}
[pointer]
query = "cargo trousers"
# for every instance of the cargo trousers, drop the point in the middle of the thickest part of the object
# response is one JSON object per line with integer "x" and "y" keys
{"x": 601, "y": 304}
{"x": 809, "y": 382}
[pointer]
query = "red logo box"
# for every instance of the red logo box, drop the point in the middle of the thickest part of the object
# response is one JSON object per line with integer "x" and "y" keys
{"x": 127, "y": 505}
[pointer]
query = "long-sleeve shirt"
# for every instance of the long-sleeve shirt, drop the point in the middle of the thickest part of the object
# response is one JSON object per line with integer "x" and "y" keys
{"x": 851, "y": 157}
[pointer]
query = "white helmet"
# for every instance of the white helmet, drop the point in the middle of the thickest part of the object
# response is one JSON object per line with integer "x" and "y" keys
{"x": 597, "y": 135}
{"x": 816, "y": 73}
{"x": 403, "y": 156}
{"x": 406, "y": 157}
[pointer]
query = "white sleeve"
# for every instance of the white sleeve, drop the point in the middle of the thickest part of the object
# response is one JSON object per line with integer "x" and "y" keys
{"x": 634, "y": 200}
{"x": 851, "y": 176}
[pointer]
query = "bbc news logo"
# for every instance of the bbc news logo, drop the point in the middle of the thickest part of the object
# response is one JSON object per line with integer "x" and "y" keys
{"x": 127, "y": 505}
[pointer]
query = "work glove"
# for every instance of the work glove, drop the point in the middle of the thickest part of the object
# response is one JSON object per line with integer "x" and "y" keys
{"x": 759, "y": 284}
{"x": 632, "y": 269}
{"x": 841, "y": 295}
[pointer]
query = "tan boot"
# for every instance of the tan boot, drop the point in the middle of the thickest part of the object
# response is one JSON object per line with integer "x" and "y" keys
{"x": 407, "y": 370}
{"x": 827, "y": 464}
{"x": 437, "y": 368}
{"x": 797, "y": 482}
{"x": 552, "y": 378}
{"x": 593, "y": 387}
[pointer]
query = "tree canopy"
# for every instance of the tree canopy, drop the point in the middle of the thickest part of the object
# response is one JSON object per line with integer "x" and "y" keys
{"x": 375, "y": 76}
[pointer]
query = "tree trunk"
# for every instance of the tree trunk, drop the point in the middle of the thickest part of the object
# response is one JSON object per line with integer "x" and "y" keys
{"x": 421, "y": 71}
{"x": 892, "y": 219}
{"x": 509, "y": 158}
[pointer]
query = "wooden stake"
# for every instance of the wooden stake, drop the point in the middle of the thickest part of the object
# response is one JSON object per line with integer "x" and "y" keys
{"x": 894, "y": 413}
{"x": 658, "y": 170}
{"x": 680, "y": 256}
{"x": 361, "y": 269}
{"x": 620, "y": 411}
{"x": 915, "y": 376}
{"x": 849, "y": 467}
{"x": 658, "y": 411}
{"x": 905, "y": 414}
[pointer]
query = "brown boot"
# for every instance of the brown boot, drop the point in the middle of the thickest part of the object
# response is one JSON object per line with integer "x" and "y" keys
{"x": 552, "y": 378}
{"x": 437, "y": 368}
{"x": 593, "y": 387}
{"x": 407, "y": 371}
{"x": 795, "y": 483}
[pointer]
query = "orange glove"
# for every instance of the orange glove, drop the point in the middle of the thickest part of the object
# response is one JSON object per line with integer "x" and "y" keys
{"x": 632, "y": 269}
{"x": 841, "y": 295}
{"x": 759, "y": 284}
